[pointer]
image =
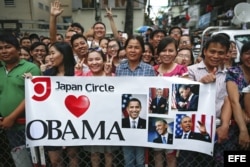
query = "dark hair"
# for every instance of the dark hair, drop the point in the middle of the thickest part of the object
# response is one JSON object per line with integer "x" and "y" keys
{"x": 45, "y": 38}
{"x": 60, "y": 35}
{"x": 134, "y": 99}
{"x": 152, "y": 34}
{"x": 118, "y": 43}
{"x": 202, "y": 53}
{"x": 24, "y": 38}
{"x": 186, "y": 116}
{"x": 245, "y": 48}
{"x": 150, "y": 47}
{"x": 121, "y": 48}
{"x": 10, "y": 39}
{"x": 78, "y": 25}
{"x": 164, "y": 42}
{"x": 34, "y": 36}
{"x": 225, "y": 35}
{"x": 68, "y": 58}
{"x": 77, "y": 36}
{"x": 218, "y": 38}
{"x": 28, "y": 51}
{"x": 175, "y": 27}
{"x": 184, "y": 86}
{"x": 138, "y": 38}
{"x": 150, "y": 29}
{"x": 99, "y": 23}
{"x": 104, "y": 38}
{"x": 36, "y": 44}
{"x": 191, "y": 54}
{"x": 162, "y": 120}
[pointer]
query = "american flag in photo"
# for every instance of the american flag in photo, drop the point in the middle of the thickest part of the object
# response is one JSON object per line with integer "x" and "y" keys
{"x": 125, "y": 99}
{"x": 207, "y": 120}
{"x": 150, "y": 98}
{"x": 174, "y": 103}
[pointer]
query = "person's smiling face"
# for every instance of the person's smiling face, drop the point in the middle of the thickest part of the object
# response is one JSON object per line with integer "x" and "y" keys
{"x": 134, "y": 109}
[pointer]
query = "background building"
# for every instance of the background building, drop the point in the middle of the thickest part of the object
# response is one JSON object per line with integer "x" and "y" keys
{"x": 32, "y": 16}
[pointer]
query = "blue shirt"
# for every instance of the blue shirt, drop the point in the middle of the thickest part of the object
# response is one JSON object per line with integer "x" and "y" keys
{"x": 142, "y": 69}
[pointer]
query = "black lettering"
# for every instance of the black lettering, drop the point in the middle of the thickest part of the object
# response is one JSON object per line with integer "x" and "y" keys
{"x": 118, "y": 131}
{"x": 88, "y": 88}
{"x": 68, "y": 87}
{"x": 100, "y": 88}
{"x": 91, "y": 133}
{"x": 56, "y": 128}
{"x": 70, "y": 126}
{"x": 28, "y": 130}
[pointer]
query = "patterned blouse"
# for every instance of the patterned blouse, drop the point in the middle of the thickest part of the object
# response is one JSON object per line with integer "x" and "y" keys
{"x": 236, "y": 75}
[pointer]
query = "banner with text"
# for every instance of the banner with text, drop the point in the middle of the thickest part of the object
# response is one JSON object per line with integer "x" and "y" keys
{"x": 158, "y": 112}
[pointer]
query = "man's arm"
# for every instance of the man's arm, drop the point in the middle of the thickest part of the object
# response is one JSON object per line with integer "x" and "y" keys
{"x": 9, "y": 120}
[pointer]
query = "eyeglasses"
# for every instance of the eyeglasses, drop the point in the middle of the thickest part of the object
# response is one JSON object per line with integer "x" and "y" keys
{"x": 176, "y": 32}
{"x": 97, "y": 49}
{"x": 39, "y": 50}
{"x": 184, "y": 56}
{"x": 112, "y": 47}
{"x": 185, "y": 42}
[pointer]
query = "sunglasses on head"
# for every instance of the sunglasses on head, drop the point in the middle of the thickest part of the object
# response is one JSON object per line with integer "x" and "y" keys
{"x": 97, "y": 49}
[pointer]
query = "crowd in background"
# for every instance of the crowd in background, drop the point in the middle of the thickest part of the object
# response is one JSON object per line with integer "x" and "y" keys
{"x": 156, "y": 53}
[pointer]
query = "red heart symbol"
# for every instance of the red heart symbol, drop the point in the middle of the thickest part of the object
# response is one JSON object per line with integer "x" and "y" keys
{"x": 77, "y": 106}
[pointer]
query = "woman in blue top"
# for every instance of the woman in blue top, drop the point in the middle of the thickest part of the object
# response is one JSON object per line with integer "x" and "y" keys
{"x": 238, "y": 80}
{"x": 134, "y": 66}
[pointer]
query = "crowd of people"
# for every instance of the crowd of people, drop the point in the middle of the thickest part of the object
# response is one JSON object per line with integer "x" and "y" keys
{"x": 161, "y": 53}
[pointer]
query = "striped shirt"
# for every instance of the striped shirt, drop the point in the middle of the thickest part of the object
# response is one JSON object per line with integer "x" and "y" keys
{"x": 198, "y": 71}
{"x": 142, "y": 69}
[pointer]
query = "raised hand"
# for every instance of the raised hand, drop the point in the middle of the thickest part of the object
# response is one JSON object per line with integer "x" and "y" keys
{"x": 43, "y": 67}
{"x": 109, "y": 13}
{"x": 55, "y": 9}
{"x": 27, "y": 75}
{"x": 202, "y": 127}
{"x": 210, "y": 77}
{"x": 108, "y": 66}
{"x": 79, "y": 65}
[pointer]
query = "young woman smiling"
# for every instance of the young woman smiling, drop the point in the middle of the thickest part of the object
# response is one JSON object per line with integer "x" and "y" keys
{"x": 167, "y": 51}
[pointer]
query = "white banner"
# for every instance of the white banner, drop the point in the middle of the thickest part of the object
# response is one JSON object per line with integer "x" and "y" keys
{"x": 67, "y": 111}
